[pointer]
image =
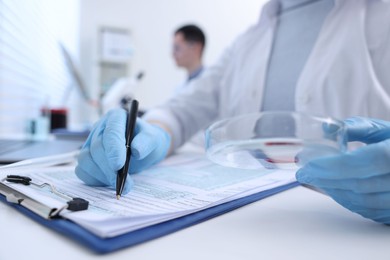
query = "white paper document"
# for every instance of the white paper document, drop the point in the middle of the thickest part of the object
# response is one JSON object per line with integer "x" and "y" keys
{"x": 181, "y": 185}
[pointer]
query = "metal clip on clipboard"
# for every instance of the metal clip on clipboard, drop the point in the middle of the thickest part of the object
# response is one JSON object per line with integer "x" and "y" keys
{"x": 14, "y": 196}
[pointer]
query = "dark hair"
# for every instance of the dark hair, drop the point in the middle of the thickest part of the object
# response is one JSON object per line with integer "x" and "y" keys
{"x": 192, "y": 33}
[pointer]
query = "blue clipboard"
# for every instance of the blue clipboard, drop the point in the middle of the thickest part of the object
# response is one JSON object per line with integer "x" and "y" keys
{"x": 106, "y": 245}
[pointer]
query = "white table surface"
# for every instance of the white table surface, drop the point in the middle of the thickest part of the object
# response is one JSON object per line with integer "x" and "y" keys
{"x": 295, "y": 224}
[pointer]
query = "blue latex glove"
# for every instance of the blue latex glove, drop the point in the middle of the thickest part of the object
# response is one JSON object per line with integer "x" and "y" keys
{"x": 104, "y": 152}
{"x": 358, "y": 180}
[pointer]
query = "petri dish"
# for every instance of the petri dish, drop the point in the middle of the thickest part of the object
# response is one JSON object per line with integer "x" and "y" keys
{"x": 274, "y": 140}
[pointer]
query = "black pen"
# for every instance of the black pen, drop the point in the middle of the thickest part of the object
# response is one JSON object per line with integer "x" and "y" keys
{"x": 122, "y": 173}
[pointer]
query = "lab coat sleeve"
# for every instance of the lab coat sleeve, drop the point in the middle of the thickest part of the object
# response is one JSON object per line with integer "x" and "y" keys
{"x": 195, "y": 107}
{"x": 378, "y": 40}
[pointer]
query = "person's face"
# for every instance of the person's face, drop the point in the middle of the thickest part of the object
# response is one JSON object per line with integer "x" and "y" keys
{"x": 184, "y": 52}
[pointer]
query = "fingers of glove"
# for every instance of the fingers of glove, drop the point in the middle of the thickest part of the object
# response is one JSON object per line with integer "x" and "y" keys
{"x": 87, "y": 178}
{"x": 143, "y": 144}
{"x": 112, "y": 141}
{"x": 95, "y": 131}
{"x": 162, "y": 142}
{"x": 354, "y": 201}
{"x": 154, "y": 157}
{"x": 102, "y": 162}
{"x": 379, "y": 215}
{"x": 368, "y": 161}
{"x": 366, "y": 185}
{"x": 148, "y": 138}
{"x": 367, "y": 130}
{"x": 333, "y": 130}
{"x": 87, "y": 170}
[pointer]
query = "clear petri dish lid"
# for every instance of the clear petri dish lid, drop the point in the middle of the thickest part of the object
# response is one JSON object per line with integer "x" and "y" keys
{"x": 273, "y": 140}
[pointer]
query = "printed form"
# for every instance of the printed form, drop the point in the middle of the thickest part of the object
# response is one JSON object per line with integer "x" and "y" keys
{"x": 181, "y": 185}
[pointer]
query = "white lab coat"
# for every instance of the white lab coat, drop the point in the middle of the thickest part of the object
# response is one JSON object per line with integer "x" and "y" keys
{"x": 347, "y": 73}
{"x": 197, "y": 139}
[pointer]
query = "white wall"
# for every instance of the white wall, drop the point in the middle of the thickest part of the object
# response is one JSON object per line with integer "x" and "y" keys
{"x": 152, "y": 24}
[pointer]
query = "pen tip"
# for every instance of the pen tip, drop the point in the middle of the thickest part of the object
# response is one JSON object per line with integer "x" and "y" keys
{"x": 118, "y": 197}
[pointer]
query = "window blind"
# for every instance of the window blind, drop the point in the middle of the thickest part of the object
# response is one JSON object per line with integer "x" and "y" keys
{"x": 32, "y": 68}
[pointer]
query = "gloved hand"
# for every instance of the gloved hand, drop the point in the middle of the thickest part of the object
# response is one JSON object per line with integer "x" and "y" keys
{"x": 104, "y": 152}
{"x": 358, "y": 180}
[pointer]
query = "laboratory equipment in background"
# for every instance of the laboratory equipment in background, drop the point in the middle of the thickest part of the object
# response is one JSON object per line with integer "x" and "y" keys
{"x": 112, "y": 87}
{"x": 114, "y": 55}
{"x": 38, "y": 128}
{"x": 120, "y": 93}
{"x": 60, "y": 114}
{"x": 74, "y": 76}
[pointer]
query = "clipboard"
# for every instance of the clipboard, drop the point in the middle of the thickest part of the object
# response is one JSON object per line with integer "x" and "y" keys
{"x": 106, "y": 245}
